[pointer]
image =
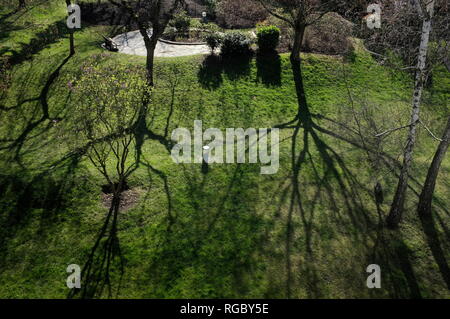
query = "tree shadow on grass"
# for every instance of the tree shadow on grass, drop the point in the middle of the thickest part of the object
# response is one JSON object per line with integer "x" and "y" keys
{"x": 395, "y": 260}
{"x": 105, "y": 260}
{"x": 100, "y": 265}
{"x": 5, "y": 30}
{"x": 40, "y": 41}
{"x": 210, "y": 72}
{"x": 437, "y": 249}
{"x": 16, "y": 145}
{"x": 332, "y": 179}
{"x": 214, "y": 239}
{"x": 334, "y": 169}
{"x": 25, "y": 193}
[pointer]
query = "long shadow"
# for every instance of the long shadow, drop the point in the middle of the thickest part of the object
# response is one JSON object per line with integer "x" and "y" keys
{"x": 394, "y": 257}
{"x": 40, "y": 41}
{"x": 347, "y": 182}
{"x": 435, "y": 245}
{"x": 269, "y": 68}
{"x": 210, "y": 72}
{"x": 42, "y": 191}
{"x": 390, "y": 250}
{"x": 96, "y": 272}
{"x": 207, "y": 234}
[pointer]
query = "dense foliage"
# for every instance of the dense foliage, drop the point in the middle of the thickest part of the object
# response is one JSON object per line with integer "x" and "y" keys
{"x": 235, "y": 44}
{"x": 181, "y": 22}
{"x": 214, "y": 40}
{"x": 237, "y": 14}
{"x": 268, "y": 38}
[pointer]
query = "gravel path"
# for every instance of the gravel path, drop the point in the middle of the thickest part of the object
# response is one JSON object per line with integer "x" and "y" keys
{"x": 133, "y": 43}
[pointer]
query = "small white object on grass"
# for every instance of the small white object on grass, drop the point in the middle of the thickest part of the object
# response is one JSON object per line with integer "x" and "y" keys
{"x": 206, "y": 154}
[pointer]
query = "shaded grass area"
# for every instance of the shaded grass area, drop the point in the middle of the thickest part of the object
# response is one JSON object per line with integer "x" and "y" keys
{"x": 308, "y": 231}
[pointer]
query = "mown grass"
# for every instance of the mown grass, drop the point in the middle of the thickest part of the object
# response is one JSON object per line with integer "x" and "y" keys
{"x": 229, "y": 236}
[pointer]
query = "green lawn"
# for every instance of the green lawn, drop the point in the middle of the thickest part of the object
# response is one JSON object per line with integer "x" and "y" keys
{"x": 229, "y": 236}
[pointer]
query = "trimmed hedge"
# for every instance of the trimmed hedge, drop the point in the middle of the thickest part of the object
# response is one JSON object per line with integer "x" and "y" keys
{"x": 268, "y": 38}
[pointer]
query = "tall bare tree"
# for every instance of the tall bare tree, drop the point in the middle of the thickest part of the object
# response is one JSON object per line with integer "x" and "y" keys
{"x": 298, "y": 14}
{"x": 149, "y": 15}
{"x": 426, "y": 196}
{"x": 396, "y": 211}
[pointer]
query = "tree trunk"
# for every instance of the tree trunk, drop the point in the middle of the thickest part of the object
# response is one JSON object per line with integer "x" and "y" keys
{"x": 71, "y": 40}
{"x": 395, "y": 214}
{"x": 426, "y": 197}
{"x": 150, "y": 46}
{"x": 298, "y": 39}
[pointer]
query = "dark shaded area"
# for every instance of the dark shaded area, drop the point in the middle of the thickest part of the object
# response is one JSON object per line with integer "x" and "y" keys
{"x": 105, "y": 13}
{"x": 335, "y": 181}
{"x": 41, "y": 40}
{"x": 218, "y": 233}
{"x": 210, "y": 74}
{"x": 437, "y": 247}
{"x": 395, "y": 260}
{"x": 7, "y": 27}
{"x": 269, "y": 68}
{"x": 22, "y": 193}
{"x": 335, "y": 170}
{"x": 100, "y": 264}
{"x": 109, "y": 189}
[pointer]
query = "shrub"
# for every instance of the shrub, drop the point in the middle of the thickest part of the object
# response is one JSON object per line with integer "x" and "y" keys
{"x": 328, "y": 36}
{"x": 237, "y": 14}
{"x": 286, "y": 32}
{"x": 268, "y": 38}
{"x": 214, "y": 40}
{"x": 208, "y": 27}
{"x": 181, "y": 21}
{"x": 235, "y": 44}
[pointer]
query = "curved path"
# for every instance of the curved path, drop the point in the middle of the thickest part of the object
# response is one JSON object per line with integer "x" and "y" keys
{"x": 133, "y": 43}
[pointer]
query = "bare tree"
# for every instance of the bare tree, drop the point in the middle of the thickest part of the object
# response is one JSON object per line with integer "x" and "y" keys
{"x": 426, "y": 197}
{"x": 396, "y": 211}
{"x": 154, "y": 14}
{"x": 298, "y": 14}
{"x": 107, "y": 103}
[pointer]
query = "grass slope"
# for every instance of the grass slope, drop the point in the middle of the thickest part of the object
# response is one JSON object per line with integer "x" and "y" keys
{"x": 230, "y": 237}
